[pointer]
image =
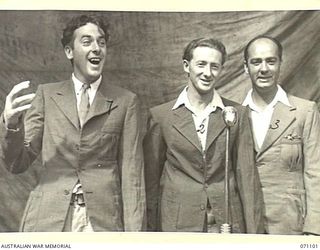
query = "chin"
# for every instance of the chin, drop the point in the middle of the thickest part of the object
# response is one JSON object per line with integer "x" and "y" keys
{"x": 94, "y": 74}
{"x": 267, "y": 85}
{"x": 205, "y": 91}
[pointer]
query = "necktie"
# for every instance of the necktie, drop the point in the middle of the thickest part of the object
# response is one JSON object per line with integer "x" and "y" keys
{"x": 84, "y": 104}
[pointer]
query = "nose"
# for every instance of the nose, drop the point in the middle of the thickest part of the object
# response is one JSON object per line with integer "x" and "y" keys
{"x": 264, "y": 67}
{"x": 95, "y": 47}
{"x": 207, "y": 71}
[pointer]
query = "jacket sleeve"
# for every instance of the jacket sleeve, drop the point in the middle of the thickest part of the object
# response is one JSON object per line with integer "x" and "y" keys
{"x": 132, "y": 169}
{"x": 311, "y": 152}
{"x": 248, "y": 177}
{"x": 18, "y": 149}
{"x": 154, "y": 155}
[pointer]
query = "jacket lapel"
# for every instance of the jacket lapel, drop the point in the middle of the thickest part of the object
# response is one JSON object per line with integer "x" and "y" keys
{"x": 65, "y": 98}
{"x": 184, "y": 124}
{"x": 282, "y": 118}
{"x": 215, "y": 127}
{"x": 102, "y": 103}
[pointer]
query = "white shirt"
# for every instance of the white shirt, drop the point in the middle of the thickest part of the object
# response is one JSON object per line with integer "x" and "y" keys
{"x": 261, "y": 118}
{"x": 91, "y": 91}
{"x": 201, "y": 119}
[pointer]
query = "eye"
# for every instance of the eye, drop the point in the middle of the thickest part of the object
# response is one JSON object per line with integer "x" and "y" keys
{"x": 102, "y": 42}
{"x": 215, "y": 67}
{"x": 272, "y": 61}
{"x": 86, "y": 41}
{"x": 201, "y": 64}
{"x": 255, "y": 62}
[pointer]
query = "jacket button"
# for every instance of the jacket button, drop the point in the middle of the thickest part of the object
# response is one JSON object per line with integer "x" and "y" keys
{"x": 66, "y": 192}
{"x": 77, "y": 147}
{"x": 202, "y": 207}
{"x": 99, "y": 165}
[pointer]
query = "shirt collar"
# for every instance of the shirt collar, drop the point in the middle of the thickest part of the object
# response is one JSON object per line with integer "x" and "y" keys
{"x": 78, "y": 84}
{"x": 281, "y": 96}
{"x": 183, "y": 100}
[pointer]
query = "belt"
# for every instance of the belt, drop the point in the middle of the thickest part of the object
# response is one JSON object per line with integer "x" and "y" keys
{"x": 77, "y": 199}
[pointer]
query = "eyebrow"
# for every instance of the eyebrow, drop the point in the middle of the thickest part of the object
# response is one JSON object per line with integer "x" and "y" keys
{"x": 260, "y": 59}
{"x": 89, "y": 36}
{"x": 212, "y": 63}
{"x": 85, "y": 36}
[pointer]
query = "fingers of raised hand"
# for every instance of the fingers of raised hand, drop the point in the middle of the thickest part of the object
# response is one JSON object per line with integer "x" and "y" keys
{"x": 18, "y": 89}
{"x": 22, "y": 101}
{"x": 17, "y": 101}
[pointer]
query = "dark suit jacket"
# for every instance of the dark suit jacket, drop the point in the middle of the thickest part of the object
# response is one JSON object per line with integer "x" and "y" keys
{"x": 180, "y": 178}
{"x": 289, "y": 167}
{"x": 106, "y": 155}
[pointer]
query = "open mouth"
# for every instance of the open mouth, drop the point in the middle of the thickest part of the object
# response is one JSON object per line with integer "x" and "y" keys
{"x": 265, "y": 79}
{"x": 206, "y": 81}
{"x": 95, "y": 60}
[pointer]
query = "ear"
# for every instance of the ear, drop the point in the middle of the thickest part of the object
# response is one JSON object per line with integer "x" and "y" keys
{"x": 68, "y": 51}
{"x": 245, "y": 67}
{"x": 186, "y": 65}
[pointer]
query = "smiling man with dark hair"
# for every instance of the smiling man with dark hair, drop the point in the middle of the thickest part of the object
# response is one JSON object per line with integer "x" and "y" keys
{"x": 88, "y": 135}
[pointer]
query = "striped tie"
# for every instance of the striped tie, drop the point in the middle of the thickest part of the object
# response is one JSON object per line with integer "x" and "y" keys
{"x": 84, "y": 104}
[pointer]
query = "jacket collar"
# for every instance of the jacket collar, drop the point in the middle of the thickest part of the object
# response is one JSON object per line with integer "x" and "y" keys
{"x": 65, "y": 99}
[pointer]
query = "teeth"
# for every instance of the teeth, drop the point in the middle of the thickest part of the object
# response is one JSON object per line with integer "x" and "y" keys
{"x": 95, "y": 60}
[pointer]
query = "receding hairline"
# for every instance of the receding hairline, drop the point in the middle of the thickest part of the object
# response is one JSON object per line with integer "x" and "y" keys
{"x": 263, "y": 38}
{"x": 266, "y": 38}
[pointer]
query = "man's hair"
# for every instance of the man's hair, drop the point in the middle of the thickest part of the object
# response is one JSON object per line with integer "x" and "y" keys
{"x": 204, "y": 42}
{"x": 79, "y": 21}
{"x": 276, "y": 42}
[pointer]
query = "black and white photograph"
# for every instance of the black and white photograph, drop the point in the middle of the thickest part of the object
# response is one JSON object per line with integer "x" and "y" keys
{"x": 160, "y": 122}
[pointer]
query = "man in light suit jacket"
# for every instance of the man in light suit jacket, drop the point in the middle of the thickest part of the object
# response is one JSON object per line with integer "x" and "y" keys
{"x": 87, "y": 133}
{"x": 287, "y": 141}
{"x": 185, "y": 154}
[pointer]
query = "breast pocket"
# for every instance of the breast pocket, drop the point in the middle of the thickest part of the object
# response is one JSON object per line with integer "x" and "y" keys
{"x": 291, "y": 152}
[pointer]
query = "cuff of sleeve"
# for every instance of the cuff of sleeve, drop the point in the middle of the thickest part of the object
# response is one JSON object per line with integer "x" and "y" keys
{"x": 14, "y": 130}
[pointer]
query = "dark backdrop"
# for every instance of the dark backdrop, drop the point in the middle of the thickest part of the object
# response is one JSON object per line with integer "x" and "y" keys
{"x": 144, "y": 56}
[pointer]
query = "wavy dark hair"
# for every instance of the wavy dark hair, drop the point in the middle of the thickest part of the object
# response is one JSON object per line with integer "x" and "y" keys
{"x": 78, "y": 21}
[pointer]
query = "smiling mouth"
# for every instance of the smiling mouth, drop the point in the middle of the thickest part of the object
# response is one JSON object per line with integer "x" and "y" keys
{"x": 206, "y": 81}
{"x": 95, "y": 61}
{"x": 265, "y": 78}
